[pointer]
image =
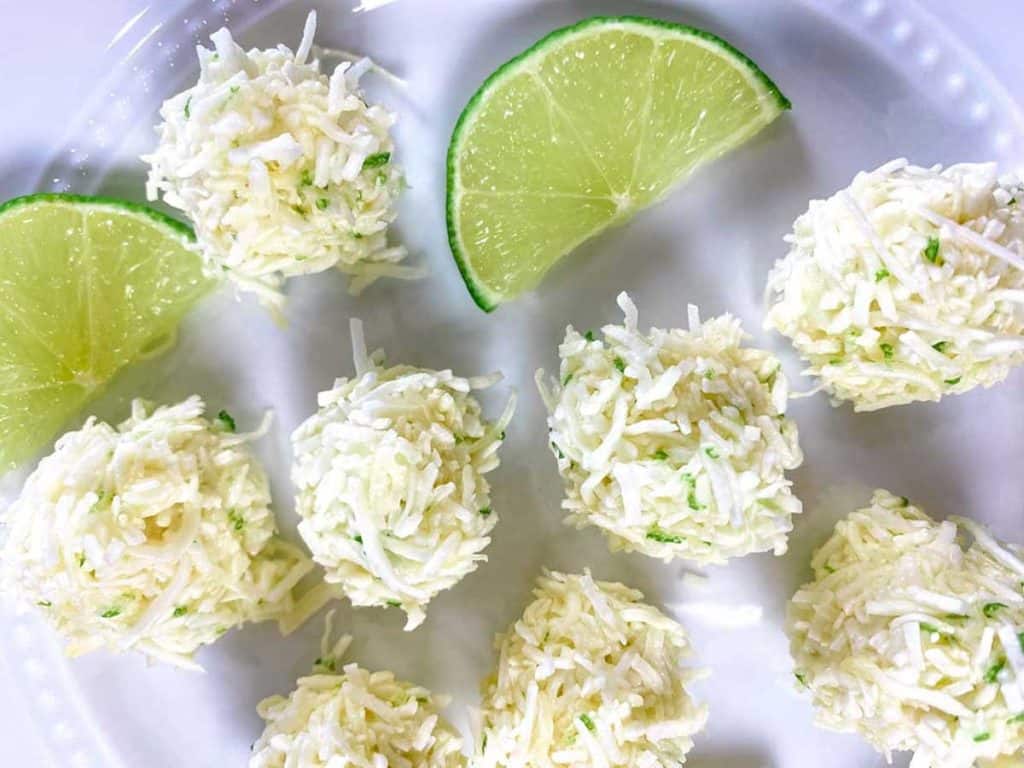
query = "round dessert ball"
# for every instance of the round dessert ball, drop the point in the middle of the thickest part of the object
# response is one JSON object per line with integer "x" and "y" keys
{"x": 282, "y": 169}
{"x": 590, "y": 675}
{"x": 348, "y": 716}
{"x": 155, "y": 536}
{"x": 674, "y": 443}
{"x": 907, "y": 285}
{"x": 390, "y": 481}
{"x": 910, "y": 635}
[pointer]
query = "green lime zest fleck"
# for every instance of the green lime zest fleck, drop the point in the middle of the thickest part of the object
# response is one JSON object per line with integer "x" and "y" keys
{"x": 691, "y": 495}
{"x": 991, "y": 609}
{"x": 589, "y": 335}
{"x": 180, "y": 611}
{"x": 983, "y": 736}
{"x": 829, "y": 568}
{"x": 940, "y": 346}
{"x": 110, "y": 613}
{"x": 660, "y": 455}
{"x": 931, "y": 251}
{"x": 801, "y": 678}
{"x": 395, "y": 603}
{"x": 656, "y": 534}
{"x": 585, "y": 719}
{"x": 326, "y": 662}
{"x": 44, "y": 603}
{"x": 236, "y": 519}
{"x": 952, "y": 382}
{"x": 322, "y": 203}
{"x": 306, "y": 178}
{"x": 485, "y": 512}
{"x": 887, "y": 350}
{"x": 227, "y": 420}
{"x": 188, "y": 107}
{"x": 881, "y": 274}
{"x": 567, "y": 379}
{"x": 992, "y": 673}
{"x": 1017, "y": 718}
{"x": 376, "y": 160}
{"x": 904, "y": 501}
{"x": 620, "y": 365}
{"x": 711, "y": 451}
{"x": 357, "y": 539}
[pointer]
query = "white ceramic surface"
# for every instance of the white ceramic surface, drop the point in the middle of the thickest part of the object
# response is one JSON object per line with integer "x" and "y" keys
{"x": 869, "y": 80}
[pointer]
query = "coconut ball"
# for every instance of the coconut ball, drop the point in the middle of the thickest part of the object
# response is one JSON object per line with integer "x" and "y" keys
{"x": 282, "y": 169}
{"x": 590, "y": 675}
{"x": 390, "y": 481}
{"x": 906, "y": 286}
{"x": 911, "y": 635}
{"x": 155, "y": 536}
{"x": 347, "y": 715}
{"x": 674, "y": 443}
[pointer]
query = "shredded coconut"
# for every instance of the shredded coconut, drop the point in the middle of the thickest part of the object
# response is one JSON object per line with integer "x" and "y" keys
{"x": 282, "y": 169}
{"x": 912, "y": 638}
{"x": 354, "y": 718}
{"x": 674, "y": 443}
{"x": 906, "y": 286}
{"x": 589, "y": 676}
{"x": 390, "y": 479}
{"x": 156, "y": 536}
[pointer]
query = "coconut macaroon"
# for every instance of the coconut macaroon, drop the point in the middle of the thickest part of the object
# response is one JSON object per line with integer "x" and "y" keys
{"x": 340, "y": 716}
{"x": 912, "y": 637}
{"x": 674, "y": 443}
{"x": 390, "y": 481}
{"x": 590, "y": 675}
{"x": 908, "y": 285}
{"x": 282, "y": 169}
{"x": 156, "y": 536}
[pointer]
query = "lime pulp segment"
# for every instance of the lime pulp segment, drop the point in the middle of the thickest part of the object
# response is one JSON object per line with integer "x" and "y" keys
{"x": 87, "y": 285}
{"x": 593, "y": 123}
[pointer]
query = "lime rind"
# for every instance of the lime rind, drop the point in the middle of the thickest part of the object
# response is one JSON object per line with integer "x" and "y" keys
{"x": 100, "y": 201}
{"x": 489, "y": 300}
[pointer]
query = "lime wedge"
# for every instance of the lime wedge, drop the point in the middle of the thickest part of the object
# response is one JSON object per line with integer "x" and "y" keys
{"x": 87, "y": 285}
{"x": 591, "y": 124}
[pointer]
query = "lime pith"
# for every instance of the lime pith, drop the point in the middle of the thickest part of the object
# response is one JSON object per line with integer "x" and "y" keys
{"x": 88, "y": 285}
{"x": 591, "y": 124}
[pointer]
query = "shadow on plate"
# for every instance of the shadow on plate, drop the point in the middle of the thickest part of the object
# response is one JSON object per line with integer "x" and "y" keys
{"x": 743, "y": 758}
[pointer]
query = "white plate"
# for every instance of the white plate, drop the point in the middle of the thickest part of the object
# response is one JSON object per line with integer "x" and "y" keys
{"x": 868, "y": 80}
